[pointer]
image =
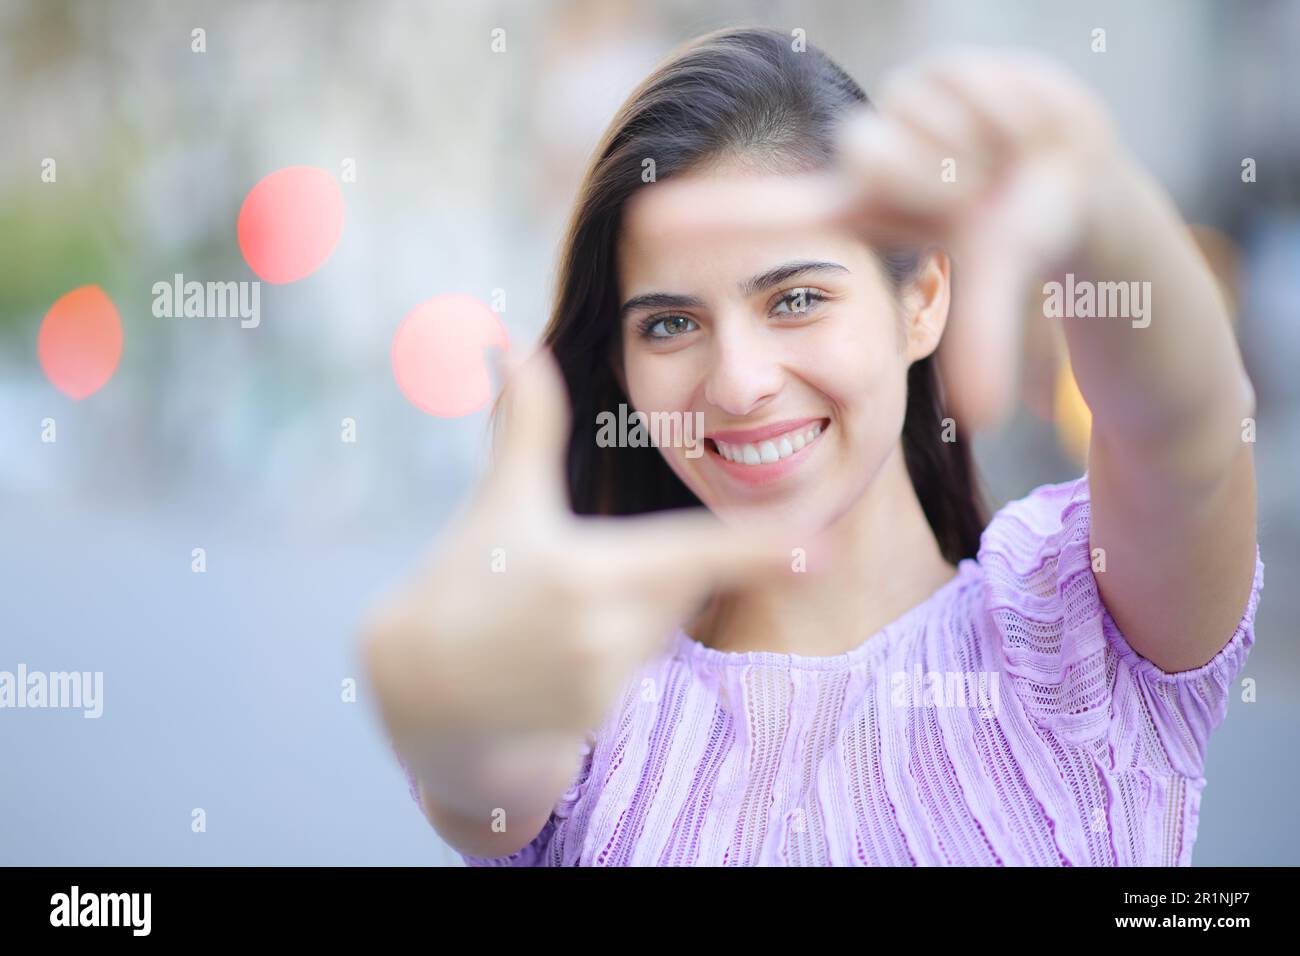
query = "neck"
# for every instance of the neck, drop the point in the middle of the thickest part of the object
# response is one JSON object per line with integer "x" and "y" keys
{"x": 876, "y": 561}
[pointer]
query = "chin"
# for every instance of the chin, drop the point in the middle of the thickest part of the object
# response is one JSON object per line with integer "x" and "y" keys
{"x": 807, "y": 511}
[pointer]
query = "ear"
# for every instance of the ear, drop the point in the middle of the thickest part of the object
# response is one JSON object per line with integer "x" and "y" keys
{"x": 926, "y": 297}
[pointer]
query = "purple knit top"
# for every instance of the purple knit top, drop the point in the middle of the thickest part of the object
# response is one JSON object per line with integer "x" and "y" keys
{"x": 1003, "y": 721}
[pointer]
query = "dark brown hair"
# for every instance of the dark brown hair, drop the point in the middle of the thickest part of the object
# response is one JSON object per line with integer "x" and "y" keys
{"x": 732, "y": 92}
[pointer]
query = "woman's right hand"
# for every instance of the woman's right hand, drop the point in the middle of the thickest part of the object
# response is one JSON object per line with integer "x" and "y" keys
{"x": 527, "y": 620}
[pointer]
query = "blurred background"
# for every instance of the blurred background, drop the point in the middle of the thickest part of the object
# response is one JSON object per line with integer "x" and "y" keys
{"x": 226, "y": 690}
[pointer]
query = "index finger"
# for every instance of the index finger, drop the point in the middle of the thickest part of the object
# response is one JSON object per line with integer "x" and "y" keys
{"x": 691, "y": 205}
{"x": 842, "y": 197}
{"x": 691, "y": 551}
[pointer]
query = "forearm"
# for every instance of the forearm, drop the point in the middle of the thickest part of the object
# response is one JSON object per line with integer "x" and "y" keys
{"x": 1171, "y": 479}
{"x": 1165, "y": 382}
{"x": 477, "y": 778}
{"x": 512, "y": 803}
{"x": 468, "y": 771}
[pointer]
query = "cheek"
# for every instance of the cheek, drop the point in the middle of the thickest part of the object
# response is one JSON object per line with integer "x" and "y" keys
{"x": 667, "y": 384}
{"x": 865, "y": 380}
{"x": 862, "y": 372}
{"x": 658, "y": 385}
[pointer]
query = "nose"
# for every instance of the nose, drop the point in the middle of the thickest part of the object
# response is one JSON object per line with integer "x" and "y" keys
{"x": 744, "y": 372}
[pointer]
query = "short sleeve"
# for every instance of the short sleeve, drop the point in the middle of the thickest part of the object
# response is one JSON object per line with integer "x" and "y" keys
{"x": 1071, "y": 667}
{"x": 544, "y": 849}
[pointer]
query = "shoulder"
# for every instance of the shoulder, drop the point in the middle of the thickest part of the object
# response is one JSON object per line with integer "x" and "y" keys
{"x": 1028, "y": 528}
{"x": 1039, "y": 587}
{"x": 1069, "y": 663}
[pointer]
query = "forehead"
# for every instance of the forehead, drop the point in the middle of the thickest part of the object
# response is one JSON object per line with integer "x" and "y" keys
{"x": 656, "y": 253}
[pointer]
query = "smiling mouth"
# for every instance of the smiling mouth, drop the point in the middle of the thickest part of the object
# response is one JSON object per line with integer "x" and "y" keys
{"x": 770, "y": 450}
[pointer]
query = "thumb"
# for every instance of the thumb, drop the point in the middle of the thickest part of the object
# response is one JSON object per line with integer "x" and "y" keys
{"x": 979, "y": 355}
{"x": 1003, "y": 253}
{"x": 531, "y": 433}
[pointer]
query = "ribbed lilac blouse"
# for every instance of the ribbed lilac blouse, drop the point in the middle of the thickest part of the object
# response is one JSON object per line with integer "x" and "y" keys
{"x": 1003, "y": 721}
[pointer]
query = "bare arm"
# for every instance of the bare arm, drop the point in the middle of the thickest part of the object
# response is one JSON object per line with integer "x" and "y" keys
{"x": 474, "y": 833}
{"x": 1171, "y": 479}
{"x": 484, "y": 795}
{"x": 1049, "y": 184}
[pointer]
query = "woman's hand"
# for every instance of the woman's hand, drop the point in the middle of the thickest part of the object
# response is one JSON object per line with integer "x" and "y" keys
{"x": 527, "y": 620}
{"x": 1003, "y": 158}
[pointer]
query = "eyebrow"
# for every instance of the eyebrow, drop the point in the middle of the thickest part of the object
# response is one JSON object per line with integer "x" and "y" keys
{"x": 755, "y": 284}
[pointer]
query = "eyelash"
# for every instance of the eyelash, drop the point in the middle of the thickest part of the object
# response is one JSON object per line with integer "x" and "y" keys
{"x": 811, "y": 298}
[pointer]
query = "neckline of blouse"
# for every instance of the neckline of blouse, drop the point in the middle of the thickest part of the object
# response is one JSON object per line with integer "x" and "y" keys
{"x": 967, "y": 568}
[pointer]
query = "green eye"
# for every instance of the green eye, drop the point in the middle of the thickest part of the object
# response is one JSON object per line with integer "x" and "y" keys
{"x": 675, "y": 325}
{"x": 798, "y": 301}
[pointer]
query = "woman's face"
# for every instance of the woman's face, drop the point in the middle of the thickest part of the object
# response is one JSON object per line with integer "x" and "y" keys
{"x": 792, "y": 346}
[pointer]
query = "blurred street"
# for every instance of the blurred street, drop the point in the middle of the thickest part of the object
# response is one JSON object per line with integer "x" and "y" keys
{"x": 223, "y": 690}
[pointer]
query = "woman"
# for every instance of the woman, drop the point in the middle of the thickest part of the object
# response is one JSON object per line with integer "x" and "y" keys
{"x": 837, "y": 660}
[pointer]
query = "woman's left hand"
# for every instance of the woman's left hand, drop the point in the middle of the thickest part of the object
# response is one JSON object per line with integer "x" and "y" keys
{"x": 1004, "y": 158}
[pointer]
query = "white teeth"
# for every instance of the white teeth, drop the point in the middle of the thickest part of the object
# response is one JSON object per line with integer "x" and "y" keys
{"x": 773, "y": 449}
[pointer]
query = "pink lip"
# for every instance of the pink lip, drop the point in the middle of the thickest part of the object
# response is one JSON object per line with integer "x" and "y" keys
{"x": 753, "y": 436}
{"x": 755, "y": 475}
